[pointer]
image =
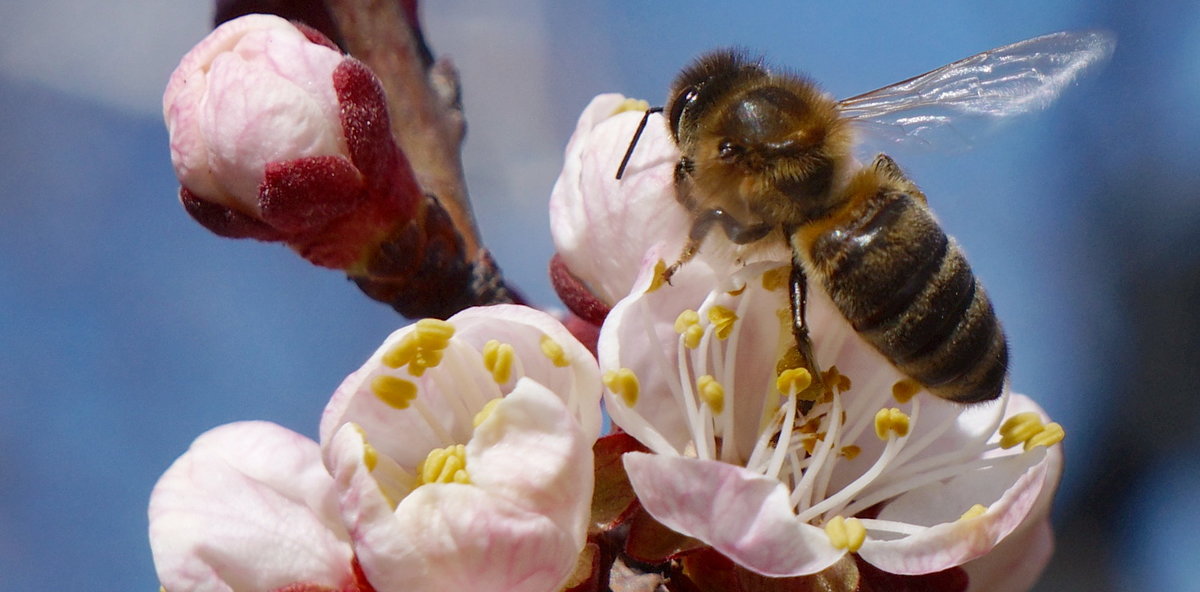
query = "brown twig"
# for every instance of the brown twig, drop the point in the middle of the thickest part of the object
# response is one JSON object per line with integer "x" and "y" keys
{"x": 426, "y": 115}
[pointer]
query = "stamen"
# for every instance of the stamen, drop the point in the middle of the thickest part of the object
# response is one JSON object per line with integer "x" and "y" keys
{"x": 434, "y": 331}
{"x": 793, "y": 381}
{"x": 1051, "y": 434}
{"x": 624, "y": 384}
{"x": 631, "y": 104}
{"x": 370, "y": 455}
{"x": 396, "y": 392}
{"x": 891, "y": 421}
{"x": 851, "y": 451}
{"x": 660, "y": 268}
{"x": 687, "y": 324}
{"x": 722, "y": 319}
{"x": 445, "y": 465}
{"x": 485, "y": 413}
{"x": 422, "y": 348}
{"x": 975, "y": 511}
{"x": 553, "y": 350}
{"x": 846, "y": 533}
{"x": 904, "y": 390}
{"x": 877, "y": 525}
{"x": 711, "y": 392}
{"x": 1019, "y": 428}
{"x": 498, "y": 359}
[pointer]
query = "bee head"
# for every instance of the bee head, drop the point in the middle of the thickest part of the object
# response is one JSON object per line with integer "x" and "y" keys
{"x": 701, "y": 86}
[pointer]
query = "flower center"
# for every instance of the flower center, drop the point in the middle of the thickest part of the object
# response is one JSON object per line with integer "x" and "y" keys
{"x": 841, "y": 451}
{"x": 445, "y": 465}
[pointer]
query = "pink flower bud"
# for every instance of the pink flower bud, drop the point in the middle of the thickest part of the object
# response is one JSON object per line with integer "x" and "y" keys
{"x": 276, "y": 135}
{"x": 255, "y": 91}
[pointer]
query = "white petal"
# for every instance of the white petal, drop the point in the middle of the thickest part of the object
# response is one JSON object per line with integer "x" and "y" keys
{"x": 458, "y": 388}
{"x": 639, "y": 334}
{"x": 531, "y": 451}
{"x": 577, "y": 383}
{"x": 248, "y": 507}
{"x": 602, "y": 226}
{"x": 455, "y": 536}
{"x": 1016, "y": 491}
{"x": 745, "y": 516}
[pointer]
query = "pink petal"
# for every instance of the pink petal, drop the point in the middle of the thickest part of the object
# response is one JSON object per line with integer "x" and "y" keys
{"x": 248, "y": 507}
{"x": 953, "y": 542}
{"x": 1017, "y": 493}
{"x": 744, "y": 515}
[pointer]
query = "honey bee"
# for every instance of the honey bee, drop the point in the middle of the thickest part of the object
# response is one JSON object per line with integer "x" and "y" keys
{"x": 768, "y": 156}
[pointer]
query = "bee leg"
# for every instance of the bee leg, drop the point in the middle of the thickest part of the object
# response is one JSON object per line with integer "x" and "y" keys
{"x": 798, "y": 290}
{"x": 689, "y": 251}
{"x": 891, "y": 171}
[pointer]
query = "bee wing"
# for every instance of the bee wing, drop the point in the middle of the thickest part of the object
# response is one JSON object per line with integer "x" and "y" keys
{"x": 935, "y": 108}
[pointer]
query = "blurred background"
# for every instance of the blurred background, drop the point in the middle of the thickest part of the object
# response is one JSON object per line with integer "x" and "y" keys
{"x": 126, "y": 329}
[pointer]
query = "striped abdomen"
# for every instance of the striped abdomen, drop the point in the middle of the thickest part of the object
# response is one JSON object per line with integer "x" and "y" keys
{"x": 906, "y": 288}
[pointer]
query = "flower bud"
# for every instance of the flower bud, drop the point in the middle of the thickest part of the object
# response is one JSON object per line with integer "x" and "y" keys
{"x": 276, "y": 135}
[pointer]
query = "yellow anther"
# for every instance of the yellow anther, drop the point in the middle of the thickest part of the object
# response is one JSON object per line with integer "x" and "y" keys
{"x": 401, "y": 353}
{"x": 975, "y": 511}
{"x": 891, "y": 421}
{"x": 486, "y": 412}
{"x": 793, "y": 381}
{"x": 737, "y": 291}
{"x": 686, "y": 319}
{"x": 776, "y": 278}
{"x": 421, "y": 348}
{"x": 1020, "y": 428}
{"x": 711, "y": 392}
{"x": 846, "y": 533}
{"x": 435, "y": 331}
{"x": 722, "y": 318}
{"x": 370, "y": 455}
{"x": 905, "y": 389}
{"x": 660, "y": 270}
{"x": 630, "y": 104}
{"x": 809, "y": 444}
{"x": 624, "y": 384}
{"x": 687, "y": 324}
{"x": 445, "y": 465}
{"x": 395, "y": 391}
{"x": 1051, "y": 434}
{"x": 498, "y": 359}
{"x": 554, "y": 350}
{"x": 851, "y": 451}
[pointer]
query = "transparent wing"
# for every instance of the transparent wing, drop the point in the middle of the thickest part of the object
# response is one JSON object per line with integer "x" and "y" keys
{"x": 946, "y": 105}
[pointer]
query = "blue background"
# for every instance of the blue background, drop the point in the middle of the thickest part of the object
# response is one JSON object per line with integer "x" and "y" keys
{"x": 126, "y": 330}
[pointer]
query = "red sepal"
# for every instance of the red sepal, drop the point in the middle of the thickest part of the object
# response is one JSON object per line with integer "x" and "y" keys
{"x": 574, "y": 293}
{"x": 225, "y": 222}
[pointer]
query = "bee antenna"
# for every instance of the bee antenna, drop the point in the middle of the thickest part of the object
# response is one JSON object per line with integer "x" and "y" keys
{"x": 636, "y": 134}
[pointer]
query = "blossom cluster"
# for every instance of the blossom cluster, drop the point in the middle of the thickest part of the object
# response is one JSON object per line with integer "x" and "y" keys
{"x": 460, "y": 455}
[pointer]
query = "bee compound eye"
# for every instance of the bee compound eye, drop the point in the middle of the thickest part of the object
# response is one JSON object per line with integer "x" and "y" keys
{"x": 680, "y": 103}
